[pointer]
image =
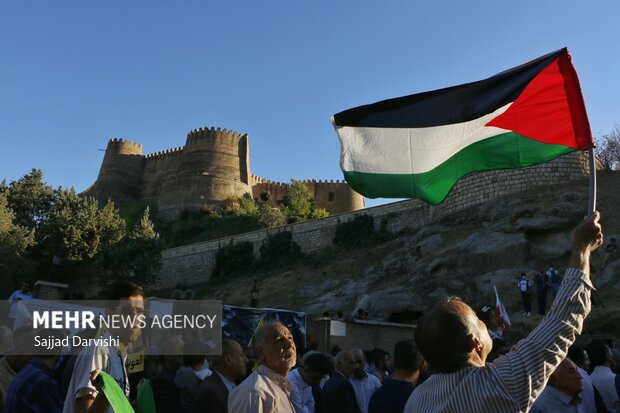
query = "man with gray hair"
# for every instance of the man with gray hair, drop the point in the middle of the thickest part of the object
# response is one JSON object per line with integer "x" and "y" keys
{"x": 562, "y": 392}
{"x": 456, "y": 344}
{"x": 363, "y": 383}
{"x": 267, "y": 389}
{"x": 338, "y": 395}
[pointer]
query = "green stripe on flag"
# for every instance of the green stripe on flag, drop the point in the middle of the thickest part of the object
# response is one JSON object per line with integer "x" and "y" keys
{"x": 504, "y": 151}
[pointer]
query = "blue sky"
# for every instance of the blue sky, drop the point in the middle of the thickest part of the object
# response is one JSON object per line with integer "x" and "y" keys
{"x": 74, "y": 74}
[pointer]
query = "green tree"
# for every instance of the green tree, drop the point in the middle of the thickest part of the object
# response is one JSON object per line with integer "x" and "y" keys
{"x": 297, "y": 202}
{"x": 30, "y": 199}
{"x": 77, "y": 228}
{"x": 270, "y": 217}
{"x": 138, "y": 256}
{"x": 265, "y": 196}
{"x": 14, "y": 239}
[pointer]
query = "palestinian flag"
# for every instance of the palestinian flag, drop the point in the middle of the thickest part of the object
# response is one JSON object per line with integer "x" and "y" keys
{"x": 418, "y": 146}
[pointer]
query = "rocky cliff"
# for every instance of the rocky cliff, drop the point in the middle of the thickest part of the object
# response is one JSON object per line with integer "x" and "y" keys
{"x": 465, "y": 254}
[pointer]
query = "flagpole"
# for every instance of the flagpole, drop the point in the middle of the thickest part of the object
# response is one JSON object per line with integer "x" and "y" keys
{"x": 592, "y": 199}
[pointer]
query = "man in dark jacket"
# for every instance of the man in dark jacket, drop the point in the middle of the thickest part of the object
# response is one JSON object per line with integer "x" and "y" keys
{"x": 212, "y": 395}
{"x": 338, "y": 395}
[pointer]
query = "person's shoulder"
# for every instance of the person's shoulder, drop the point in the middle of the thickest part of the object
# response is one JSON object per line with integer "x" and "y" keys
{"x": 374, "y": 380}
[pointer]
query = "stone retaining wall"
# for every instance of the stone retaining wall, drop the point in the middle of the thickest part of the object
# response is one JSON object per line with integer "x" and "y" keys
{"x": 193, "y": 264}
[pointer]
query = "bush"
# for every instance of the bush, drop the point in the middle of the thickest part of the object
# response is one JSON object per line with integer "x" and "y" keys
{"x": 233, "y": 259}
{"x": 279, "y": 249}
{"x": 358, "y": 232}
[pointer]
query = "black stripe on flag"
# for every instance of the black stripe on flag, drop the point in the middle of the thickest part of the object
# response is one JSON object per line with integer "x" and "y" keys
{"x": 454, "y": 104}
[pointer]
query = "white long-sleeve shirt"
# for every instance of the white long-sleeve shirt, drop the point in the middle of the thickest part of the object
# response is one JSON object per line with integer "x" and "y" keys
{"x": 512, "y": 382}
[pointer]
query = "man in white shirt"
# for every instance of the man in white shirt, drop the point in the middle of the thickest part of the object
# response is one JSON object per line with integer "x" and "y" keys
{"x": 562, "y": 392}
{"x": 603, "y": 379}
{"x": 82, "y": 395}
{"x": 267, "y": 389}
{"x": 363, "y": 383}
{"x": 579, "y": 356}
{"x": 456, "y": 344}
{"x": 316, "y": 366}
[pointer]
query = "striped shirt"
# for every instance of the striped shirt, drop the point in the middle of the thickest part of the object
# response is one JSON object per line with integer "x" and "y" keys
{"x": 512, "y": 382}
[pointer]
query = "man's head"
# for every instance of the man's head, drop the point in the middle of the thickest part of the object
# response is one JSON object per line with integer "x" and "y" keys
{"x": 359, "y": 359}
{"x": 578, "y": 355}
{"x": 194, "y": 354}
{"x": 26, "y": 287}
{"x": 345, "y": 363}
{"x": 600, "y": 353}
{"x": 522, "y": 275}
{"x": 407, "y": 358}
{"x": 316, "y": 366}
{"x": 275, "y": 348}
{"x": 127, "y": 300}
{"x": 170, "y": 348}
{"x": 567, "y": 379}
{"x": 451, "y": 337}
{"x": 232, "y": 363}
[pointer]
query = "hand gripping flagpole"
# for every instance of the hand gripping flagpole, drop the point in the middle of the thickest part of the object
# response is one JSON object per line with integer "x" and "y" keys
{"x": 592, "y": 199}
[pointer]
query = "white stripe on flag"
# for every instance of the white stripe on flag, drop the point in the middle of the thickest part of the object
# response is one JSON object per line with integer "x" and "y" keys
{"x": 410, "y": 151}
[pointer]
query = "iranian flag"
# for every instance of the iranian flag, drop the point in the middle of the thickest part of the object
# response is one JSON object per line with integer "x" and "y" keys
{"x": 500, "y": 312}
{"x": 418, "y": 146}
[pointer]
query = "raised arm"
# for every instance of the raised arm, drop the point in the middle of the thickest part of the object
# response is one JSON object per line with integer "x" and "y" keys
{"x": 525, "y": 370}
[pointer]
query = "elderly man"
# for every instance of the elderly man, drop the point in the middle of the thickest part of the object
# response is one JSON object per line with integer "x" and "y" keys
{"x": 267, "y": 389}
{"x": 363, "y": 383}
{"x": 212, "y": 395}
{"x": 562, "y": 392}
{"x": 338, "y": 395}
{"x": 456, "y": 344}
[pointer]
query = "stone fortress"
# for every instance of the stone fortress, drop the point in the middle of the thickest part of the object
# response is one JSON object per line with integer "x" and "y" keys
{"x": 213, "y": 166}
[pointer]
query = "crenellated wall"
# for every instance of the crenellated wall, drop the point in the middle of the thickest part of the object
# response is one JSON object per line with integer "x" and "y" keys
{"x": 335, "y": 196}
{"x": 213, "y": 165}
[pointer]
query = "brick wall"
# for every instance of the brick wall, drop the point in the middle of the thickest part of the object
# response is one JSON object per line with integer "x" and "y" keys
{"x": 363, "y": 334}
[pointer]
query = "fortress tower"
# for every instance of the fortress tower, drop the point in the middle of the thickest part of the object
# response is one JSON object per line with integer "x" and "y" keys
{"x": 120, "y": 176}
{"x": 213, "y": 165}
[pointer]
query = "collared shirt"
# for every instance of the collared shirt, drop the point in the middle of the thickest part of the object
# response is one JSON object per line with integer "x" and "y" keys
{"x": 364, "y": 388}
{"x": 6, "y": 376}
{"x": 553, "y": 400}
{"x": 21, "y": 295}
{"x": 34, "y": 390}
{"x": 512, "y": 382}
{"x": 603, "y": 380}
{"x": 104, "y": 358}
{"x": 229, "y": 384}
{"x": 264, "y": 391}
{"x": 587, "y": 394}
{"x": 301, "y": 393}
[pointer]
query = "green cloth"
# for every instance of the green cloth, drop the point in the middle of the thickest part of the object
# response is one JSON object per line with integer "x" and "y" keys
{"x": 146, "y": 399}
{"x": 114, "y": 394}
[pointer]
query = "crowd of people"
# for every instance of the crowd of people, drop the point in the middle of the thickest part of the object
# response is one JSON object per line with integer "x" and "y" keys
{"x": 455, "y": 364}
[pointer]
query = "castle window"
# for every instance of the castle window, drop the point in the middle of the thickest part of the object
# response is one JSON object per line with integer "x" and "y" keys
{"x": 331, "y": 196}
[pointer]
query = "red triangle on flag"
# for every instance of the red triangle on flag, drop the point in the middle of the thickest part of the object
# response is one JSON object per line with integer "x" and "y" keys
{"x": 551, "y": 108}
